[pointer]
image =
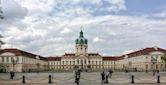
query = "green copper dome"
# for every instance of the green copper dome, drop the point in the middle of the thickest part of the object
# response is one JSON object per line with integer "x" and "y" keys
{"x": 81, "y": 39}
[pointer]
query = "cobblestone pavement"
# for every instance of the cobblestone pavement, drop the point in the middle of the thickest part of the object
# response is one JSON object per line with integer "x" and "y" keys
{"x": 87, "y": 78}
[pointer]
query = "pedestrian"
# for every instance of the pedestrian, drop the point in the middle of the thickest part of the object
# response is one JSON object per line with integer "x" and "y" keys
{"x": 11, "y": 74}
{"x": 110, "y": 73}
{"x": 75, "y": 76}
{"x": 78, "y": 77}
{"x": 106, "y": 78}
{"x": 102, "y": 77}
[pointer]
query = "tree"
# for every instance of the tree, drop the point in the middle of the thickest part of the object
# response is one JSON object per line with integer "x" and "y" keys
{"x": 164, "y": 58}
{"x": 1, "y": 17}
{"x": 1, "y": 42}
{"x": 1, "y": 12}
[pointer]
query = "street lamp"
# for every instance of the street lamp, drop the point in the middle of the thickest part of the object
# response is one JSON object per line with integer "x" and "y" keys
{"x": 14, "y": 61}
{"x": 153, "y": 60}
{"x": 129, "y": 65}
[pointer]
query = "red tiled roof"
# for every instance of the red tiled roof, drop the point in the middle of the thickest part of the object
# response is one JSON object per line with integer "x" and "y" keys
{"x": 110, "y": 58}
{"x": 93, "y": 54}
{"x": 145, "y": 51}
{"x": 18, "y": 52}
{"x": 69, "y": 54}
{"x": 54, "y": 58}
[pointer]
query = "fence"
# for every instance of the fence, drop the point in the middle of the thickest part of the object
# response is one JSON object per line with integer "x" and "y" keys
{"x": 70, "y": 79}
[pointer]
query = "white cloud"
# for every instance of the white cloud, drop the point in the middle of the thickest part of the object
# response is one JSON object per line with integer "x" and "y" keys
{"x": 160, "y": 15}
{"x": 128, "y": 51}
{"x": 65, "y": 30}
{"x": 53, "y": 31}
{"x": 97, "y": 39}
{"x": 13, "y": 11}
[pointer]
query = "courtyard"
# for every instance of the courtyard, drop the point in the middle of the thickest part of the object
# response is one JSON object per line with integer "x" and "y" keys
{"x": 87, "y": 78}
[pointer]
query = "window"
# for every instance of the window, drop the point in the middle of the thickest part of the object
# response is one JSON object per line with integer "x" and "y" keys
{"x": 84, "y": 61}
{"x": 7, "y": 59}
{"x": 17, "y": 59}
{"x": 77, "y": 61}
{"x": 3, "y": 59}
{"x": 66, "y": 62}
{"x": 63, "y": 62}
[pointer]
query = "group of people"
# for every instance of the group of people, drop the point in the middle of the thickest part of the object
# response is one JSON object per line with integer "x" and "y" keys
{"x": 77, "y": 76}
{"x": 104, "y": 76}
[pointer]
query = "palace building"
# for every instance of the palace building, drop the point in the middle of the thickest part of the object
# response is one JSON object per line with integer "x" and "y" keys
{"x": 141, "y": 60}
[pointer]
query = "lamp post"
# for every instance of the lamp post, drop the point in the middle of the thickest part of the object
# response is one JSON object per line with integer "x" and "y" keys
{"x": 128, "y": 66}
{"x": 153, "y": 60}
{"x": 14, "y": 61}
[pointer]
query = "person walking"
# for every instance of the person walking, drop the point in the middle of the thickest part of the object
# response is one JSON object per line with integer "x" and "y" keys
{"x": 77, "y": 78}
{"x": 11, "y": 74}
{"x": 102, "y": 77}
{"x": 110, "y": 73}
{"x": 106, "y": 78}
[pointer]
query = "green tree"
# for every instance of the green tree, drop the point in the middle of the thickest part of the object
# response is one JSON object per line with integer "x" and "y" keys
{"x": 1, "y": 12}
{"x": 1, "y": 42}
{"x": 1, "y": 16}
{"x": 164, "y": 58}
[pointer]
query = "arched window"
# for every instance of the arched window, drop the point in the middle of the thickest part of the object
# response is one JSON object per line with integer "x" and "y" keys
{"x": 86, "y": 41}
{"x": 77, "y": 61}
{"x": 81, "y": 61}
{"x": 77, "y": 41}
{"x": 81, "y": 41}
{"x": 74, "y": 62}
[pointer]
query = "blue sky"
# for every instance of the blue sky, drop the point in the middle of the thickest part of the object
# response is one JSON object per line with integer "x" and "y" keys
{"x": 145, "y": 6}
{"x": 113, "y": 27}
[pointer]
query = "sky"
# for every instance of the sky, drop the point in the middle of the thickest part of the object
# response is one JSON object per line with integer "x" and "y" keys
{"x": 112, "y": 27}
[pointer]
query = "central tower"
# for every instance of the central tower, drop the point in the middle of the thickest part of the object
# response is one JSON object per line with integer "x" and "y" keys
{"x": 81, "y": 45}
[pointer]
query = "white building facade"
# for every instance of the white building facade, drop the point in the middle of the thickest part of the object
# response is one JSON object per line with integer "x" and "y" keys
{"x": 21, "y": 61}
{"x": 141, "y": 60}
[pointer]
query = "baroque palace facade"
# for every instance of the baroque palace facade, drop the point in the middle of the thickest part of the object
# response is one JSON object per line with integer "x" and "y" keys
{"x": 144, "y": 59}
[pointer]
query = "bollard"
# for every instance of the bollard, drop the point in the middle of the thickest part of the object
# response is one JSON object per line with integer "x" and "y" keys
{"x": 132, "y": 79}
{"x": 158, "y": 79}
{"x": 49, "y": 80}
{"x": 23, "y": 79}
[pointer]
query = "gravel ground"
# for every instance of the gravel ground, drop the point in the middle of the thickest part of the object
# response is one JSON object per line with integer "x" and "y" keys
{"x": 90, "y": 78}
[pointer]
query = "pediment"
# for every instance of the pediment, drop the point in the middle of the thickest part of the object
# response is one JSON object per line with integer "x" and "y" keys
{"x": 82, "y": 57}
{"x": 7, "y": 54}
